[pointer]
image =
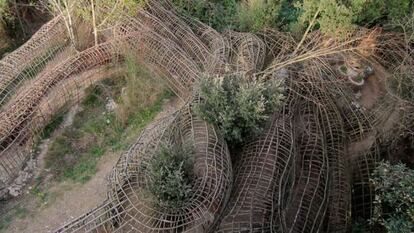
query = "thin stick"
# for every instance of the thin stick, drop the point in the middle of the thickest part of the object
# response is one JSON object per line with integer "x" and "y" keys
{"x": 307, "y": 32}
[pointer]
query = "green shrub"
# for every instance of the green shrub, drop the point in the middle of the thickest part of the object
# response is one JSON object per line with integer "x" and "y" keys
{"x": 218, "y": 14}
{"x": 238, "y": 107}
{"x": 171, "y": 173}
{"x": 74, "y": 155}
{"x": 337, "y": 17}
{"x": 254, "y": 15}
{"x": 6, "y": 218}
{"x": 5, "y": 12}
{"x": 394, "y": 209}
{"x": 53, "y": 125}
{"x": 244, "y": 15}
{"x": 368, "y": 12}
{"x": 401, "y": 84}
{"x": 406, "y": 26}
{"x": 288, "y": 15}
{"x": 332, "y": 17}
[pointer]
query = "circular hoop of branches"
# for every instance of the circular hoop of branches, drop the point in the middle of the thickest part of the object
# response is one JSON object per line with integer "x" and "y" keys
{"x": 175, "y": 178}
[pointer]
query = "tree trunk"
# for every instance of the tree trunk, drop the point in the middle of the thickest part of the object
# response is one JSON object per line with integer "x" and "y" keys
{"x": 95, "y": 30}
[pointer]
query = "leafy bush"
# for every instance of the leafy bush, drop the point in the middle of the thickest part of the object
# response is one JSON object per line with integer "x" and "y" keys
{"x": 337, "y": 17}
{"x": 332, "y": 17}
{"x": 238, "y": 107}
{"x": 244, "y": 15}
{"x": 258, "y": 14}
{"x": 401, "y": 84}
{"x": 4, "y": 17}
{"x": 75, "y": 153}
{"x": 218, "y": 14}
{"x": 5, "y": 13}
{"x": 171, "y": 172}
{"x": 406, "y": 26}
{"x": 373, "y": 12}
{"x": 394, "y": 209}
{"x": 288, "y": 15}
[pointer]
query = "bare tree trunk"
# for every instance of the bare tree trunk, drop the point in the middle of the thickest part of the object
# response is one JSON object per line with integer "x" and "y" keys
{"x": 66, "y": 13}
{"x": 95, "y": 30}
{"x": 69, "y": 23}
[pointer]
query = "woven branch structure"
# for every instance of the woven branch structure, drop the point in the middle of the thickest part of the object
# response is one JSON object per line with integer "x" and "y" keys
{"x": 129, "y": 206}
{"x": 308, "y": 171}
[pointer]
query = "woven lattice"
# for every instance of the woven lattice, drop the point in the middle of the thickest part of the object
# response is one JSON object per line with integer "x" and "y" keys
{"x": 308, "y": 171}
{"x": 263, "y": 171}
{"x": 130, "y": 207}
{"x": 23, "y": 63}
{"x": 249, "y": 52}
{"x": 31, "y": 108}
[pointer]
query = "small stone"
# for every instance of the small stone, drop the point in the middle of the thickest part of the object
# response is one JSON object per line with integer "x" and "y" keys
{"x": 111, "y": 105}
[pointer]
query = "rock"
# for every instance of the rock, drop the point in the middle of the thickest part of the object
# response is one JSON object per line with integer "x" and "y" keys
{"x": 368, "y": 71}
{"x": 111, "y": 105}
{"x": 15, "y": 190}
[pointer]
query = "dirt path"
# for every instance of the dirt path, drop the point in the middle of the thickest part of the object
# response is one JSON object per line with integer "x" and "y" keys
{"x": 70, "y": 200}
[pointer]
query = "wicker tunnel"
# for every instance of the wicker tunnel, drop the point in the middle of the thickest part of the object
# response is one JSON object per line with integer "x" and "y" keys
{"x": 129, "y": 206}
{"x": 27, "y": 112}
{"x": 23, "y": 63}
{"x": 303, "y": 174}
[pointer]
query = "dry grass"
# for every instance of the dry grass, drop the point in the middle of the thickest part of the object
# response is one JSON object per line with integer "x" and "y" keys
{"x": 140, "y": 91}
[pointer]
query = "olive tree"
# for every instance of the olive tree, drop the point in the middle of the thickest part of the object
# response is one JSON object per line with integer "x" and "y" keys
{"x": 394, "y": 200}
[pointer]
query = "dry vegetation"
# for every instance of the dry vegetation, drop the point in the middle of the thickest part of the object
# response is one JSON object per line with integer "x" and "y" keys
{"x": 286, "y": 122}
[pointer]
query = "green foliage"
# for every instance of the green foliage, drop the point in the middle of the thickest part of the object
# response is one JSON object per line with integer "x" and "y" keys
{"x": 368, "y": 12}
{"x": 3, "y": 5}
{"x": 5, "y": 14}
{"x": 107, "y": 12}
{"x": 82, "y": 171}
{"x": 56, "y": 121}
{"x": 74, "y": 154}
{"x": 333, "y": 18}
{"x": 337, "y": 17}
{"x": 401, "y": 84}
{"x": 244, "y": 15}
{"x": 237, "y": 106}
{"x": 18, "y": 20}
{"x": 218, "y": 14}
{"x": 7, "y": 218}
{"x": 132, "y": 98}
{"x": 394, "y": 209}
{"x": 406, "y": 26}
{"x": 358, "y": 227}
{"x": 171, "y": 172}
{"x": 39, "y": 192}
{"x": 254, "y": 15}
{"x": 288, "y": 16}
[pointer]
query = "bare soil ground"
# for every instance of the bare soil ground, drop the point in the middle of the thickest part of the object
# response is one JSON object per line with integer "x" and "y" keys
{"x": 67, "y": 200}
{"x": 371, "y": 91}
{"x": 374, "y": 87}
